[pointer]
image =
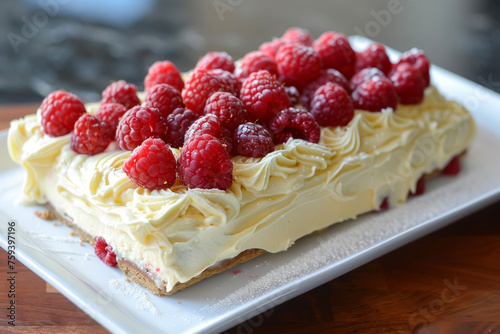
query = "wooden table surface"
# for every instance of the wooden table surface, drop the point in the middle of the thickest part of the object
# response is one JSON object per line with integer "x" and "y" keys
{"x": 447, "y": 282}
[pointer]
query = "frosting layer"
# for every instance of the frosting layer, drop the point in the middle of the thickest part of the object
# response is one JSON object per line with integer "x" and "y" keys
{"x": 297, "y": 189}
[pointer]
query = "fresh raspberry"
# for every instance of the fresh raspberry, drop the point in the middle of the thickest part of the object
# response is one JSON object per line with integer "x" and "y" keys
{"x": 364, "y": 75}
{"x": 375, "y": 94}
{"x": 263, "y": 96}
{"x": 152, "y": 165}
{"x": 59, "y": 112}
{"x": 208, "y": 124}
{"x": 165, "y": 98}
{"x": 226, "y": 138}
{"x": 228, "y": 80}
{"x": 420, "y": 187}
{"x": 294, "y": 123}
{"x": 328, "y": 75}
{"x": 271, "y": 48}
{"x": 293, "y": 95}
{"x": 216, "y": 60}
{"x": 104, "y": 252}
{"x": 336, "y": 52}
{"x": 137, "y": 125}
{"x": 121, "y": 92}
{"x": 163, "y": 72}
{"x": 419, "y": 60}
{"x": 409, "y": 84}
{"x": 453, "y": 167}
{"x": 332, "y": 106}
{"x": 252, "y": 140}
{"x": 204, "y": 163}
{"x": 374, "y": 56}
{"x": 384, "y": 206}
{"x": 228, "y": 108}
{"x": 199, "y": 86}
{"x": 298, "y": 64}
{"x": 177, "y": 123}
{"x": 111, "y": 113}
{"x": 255, "y": 61}
{"x": 297, "y": 36}
{"x": 91, "y": 135}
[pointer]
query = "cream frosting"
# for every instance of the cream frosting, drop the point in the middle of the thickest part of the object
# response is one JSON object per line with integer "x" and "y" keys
{"x": 298, "y": 189}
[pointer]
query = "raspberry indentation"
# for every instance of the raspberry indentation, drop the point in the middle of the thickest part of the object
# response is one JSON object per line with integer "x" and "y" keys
{"x": 294, "y": 123}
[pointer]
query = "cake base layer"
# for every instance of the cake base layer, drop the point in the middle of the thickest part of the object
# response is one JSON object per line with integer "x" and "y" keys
{"x": 146, "y": 278}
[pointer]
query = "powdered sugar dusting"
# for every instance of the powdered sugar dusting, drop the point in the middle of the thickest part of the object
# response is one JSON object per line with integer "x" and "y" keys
{"x": 140, "y": 296}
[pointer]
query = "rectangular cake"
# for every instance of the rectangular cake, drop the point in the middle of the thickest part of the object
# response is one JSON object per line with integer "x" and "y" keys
{"x": 167, "y": 239}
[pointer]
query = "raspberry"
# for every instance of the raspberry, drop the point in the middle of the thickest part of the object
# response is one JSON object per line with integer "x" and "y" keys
{"x": 216, "y": 60}
{"x": 256, "y": 61}
{"x": 208, "y": 124}
{"x": 252, "y": 140}
{"x": 336, "y": 52}
{"x": 298, "y": 64}
{"x": 204, "y": 163}
{"x": 364, "y": 75}
{"x": 328, "y": 75}
{"x": 297, "y": 36}
{"x": 177, "y": 123}
{"x": 419, "y": 60}
{"x": 59, "y": 112}
{"x": 384, "y": 206}
{"x": 332, "y": 106}
{"x": 375, "y": 94}
{"x": 111, "y": 113}
{"x": 91, "y": 135}
{"x": 138, "y": 124}
{"x": 228, "y": 80}
{"x": 104, "y": 252}
{"x": 164, "y": 98}
{"x": 228, "y": 108}
{"x": 453, "y": 167}
{"x": 373, "y": 56}
{"x": 263, "y": 96}
{"x": 121, "y": 92}
{"x": 163, "y": 72}
{"x": 420, "y": 187}
{"x": 152, "y": 165}
{"x": 409, "y": 84}
{"x": 199, "y": 86}
{"x": 294, "y": 123}
{"x": 271, "y": 48}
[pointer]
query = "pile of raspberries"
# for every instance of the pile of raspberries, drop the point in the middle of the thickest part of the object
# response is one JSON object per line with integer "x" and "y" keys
{"x": 289, "y": 88}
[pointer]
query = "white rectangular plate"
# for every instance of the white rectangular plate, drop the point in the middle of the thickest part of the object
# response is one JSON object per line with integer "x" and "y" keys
{"x": 229, "y": 298}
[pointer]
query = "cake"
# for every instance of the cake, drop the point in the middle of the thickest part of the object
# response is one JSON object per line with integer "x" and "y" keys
{"x": 352, "y": 156}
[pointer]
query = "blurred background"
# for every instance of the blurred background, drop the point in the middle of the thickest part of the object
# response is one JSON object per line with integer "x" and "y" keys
{"x": 83, "y": 45}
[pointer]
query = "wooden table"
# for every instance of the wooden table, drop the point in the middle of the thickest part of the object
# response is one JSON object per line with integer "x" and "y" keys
{"x": 447, "y": 282}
